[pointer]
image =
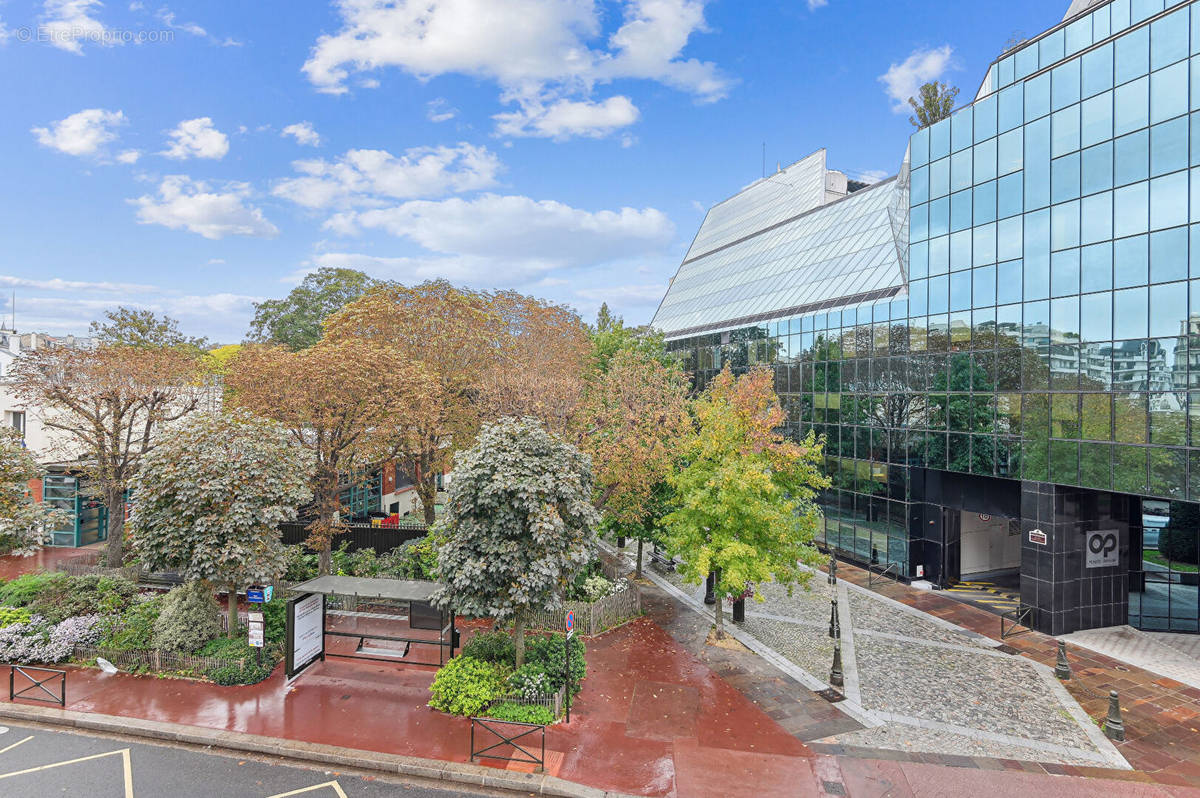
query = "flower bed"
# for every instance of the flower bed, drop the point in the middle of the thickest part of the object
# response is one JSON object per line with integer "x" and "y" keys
{"x": 620, "y": 603}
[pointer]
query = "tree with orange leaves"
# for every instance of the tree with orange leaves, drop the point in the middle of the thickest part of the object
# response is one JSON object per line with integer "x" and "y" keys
{"x": 635, "y": 416}
{"x": 337, "y": 399}
{"x": 745, "y": 507}
{"x": 108, "y": 403}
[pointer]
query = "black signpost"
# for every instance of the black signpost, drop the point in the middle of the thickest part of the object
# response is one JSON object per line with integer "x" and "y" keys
{"x": 567, "y": 642}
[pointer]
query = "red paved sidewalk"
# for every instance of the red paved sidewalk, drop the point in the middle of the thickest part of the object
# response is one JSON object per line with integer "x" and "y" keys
{"x": 1162, "y": 716}
{"x": 46, "y": 559}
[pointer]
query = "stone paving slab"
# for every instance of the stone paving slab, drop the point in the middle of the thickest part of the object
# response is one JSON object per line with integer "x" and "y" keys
{"x": 1142, "y": 649}
{"x": 872, "y": 614}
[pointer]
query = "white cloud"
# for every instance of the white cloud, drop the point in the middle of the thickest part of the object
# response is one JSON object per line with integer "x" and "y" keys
{"x": 167, "y": 17}
{"x": 85, "y": 133}
{"x": 58, "y": 284}
{"x": 67, "y": 24}
{"x": 519, "y": 230}
{"x": 629, "y": 294}
{"x": 197, "y": 138}
{"x": 4, "y": 33}
{"x": 439, "y": 110}
{"x": 871, "y": 176}
{"x": 303, "y": 133}
{"x": 183, "y": 203}
{"x": 813, "y": 5}
{"x": 129, "y": 156}
{"x": 565, "y": 118}
{"x": 544, "y": 49}
{"x": 369, "y": 176}
{"x": 903, "y": 80}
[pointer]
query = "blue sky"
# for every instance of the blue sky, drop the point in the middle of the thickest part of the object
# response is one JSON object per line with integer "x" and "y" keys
{"x": 193, "y": 158}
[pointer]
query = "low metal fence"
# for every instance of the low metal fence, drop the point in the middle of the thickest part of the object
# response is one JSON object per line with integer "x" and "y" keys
{"x": 361, "y": 536}
{"x": 27, "y": 672}
{"x": 880, "y": 571}
{"x": 502, "y": 733}
{"x": 551, "y": 701}
{"x": 1012, "y": 620}
{"x": 593, "y": 617}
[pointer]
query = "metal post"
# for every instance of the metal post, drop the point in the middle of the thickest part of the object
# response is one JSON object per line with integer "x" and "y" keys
{"x": 472, "y": 739}
{"x": 739, "y": 610}
{"x": 835, "y": 673}
{"x": 832, "y": 569}
{"x": 1114, "y": 727}
{"x": 835, "y": 626}
{"x": 710, "y": 588}
{"x": 567, "y": 681}
{"x": 1062, "y": 668}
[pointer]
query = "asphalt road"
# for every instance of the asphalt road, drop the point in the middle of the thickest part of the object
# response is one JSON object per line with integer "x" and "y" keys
{"x": 43, "y": 762}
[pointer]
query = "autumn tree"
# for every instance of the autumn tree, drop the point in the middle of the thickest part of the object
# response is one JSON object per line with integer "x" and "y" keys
{"x": 337, "y": 400}
{"x": 106, "y": 405}
{"x": 635, "y": 416}
{"x": 295, "y": 321}
{"x": 521, "y": 525}
{"x": 744, "y": 501}
{"x": 143, "y": 329}
{"x": 542, "y": 353}
{"x": 935, "y": 104}
{"x": 452, "y": 336}
{"x": 23, "y": 521}
{"x": 208, "y": 500}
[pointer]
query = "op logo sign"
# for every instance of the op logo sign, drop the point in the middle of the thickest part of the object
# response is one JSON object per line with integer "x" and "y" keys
{"x": 1102, "y": 548}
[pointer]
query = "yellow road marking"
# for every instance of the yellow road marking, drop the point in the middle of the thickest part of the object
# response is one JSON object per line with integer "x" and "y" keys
{"x": 337, "y": 788}
{"x": 14, "y": 745}
{"x": 124, "y": 753}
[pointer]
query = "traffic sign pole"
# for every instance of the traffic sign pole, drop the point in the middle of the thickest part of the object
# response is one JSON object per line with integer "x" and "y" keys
{"x": 570, "y": 624}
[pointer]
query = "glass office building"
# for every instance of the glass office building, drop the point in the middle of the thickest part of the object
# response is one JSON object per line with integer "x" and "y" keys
{"x": 1001, "y": 345}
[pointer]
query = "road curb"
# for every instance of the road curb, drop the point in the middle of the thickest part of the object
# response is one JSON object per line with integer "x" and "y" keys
{"x": 316, "y": 753}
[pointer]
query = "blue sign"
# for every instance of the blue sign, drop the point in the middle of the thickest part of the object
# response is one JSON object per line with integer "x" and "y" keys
{"x": 257, "y": 594}
{"x": 570, "y": 620}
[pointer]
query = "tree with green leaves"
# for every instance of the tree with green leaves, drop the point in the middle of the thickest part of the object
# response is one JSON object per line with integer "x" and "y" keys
{"x": 519, "y": 525}
{"x": 610, "y": 335}
{"x": 208, "y": 500}
{"x": 295, "y": 320}
{"x": 745, "y": 506}
{"x": 144, "y": 330}
{"x": 23, "y": 521}
{"x": 935, "y": 104}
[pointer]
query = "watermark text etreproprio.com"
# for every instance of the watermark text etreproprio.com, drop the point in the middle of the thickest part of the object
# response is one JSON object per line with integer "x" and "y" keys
{"x": 61, "y": 34}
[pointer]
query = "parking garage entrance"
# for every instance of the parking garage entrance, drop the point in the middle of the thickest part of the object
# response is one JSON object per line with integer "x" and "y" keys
{"x": 989, "y": 561}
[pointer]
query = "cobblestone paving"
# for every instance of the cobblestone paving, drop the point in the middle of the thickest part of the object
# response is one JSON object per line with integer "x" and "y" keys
{"x": 881, "y": 616}
{"x": 998, "y": 694}
{"x": 808, "y": 646}
{"x": 897, "y": 737}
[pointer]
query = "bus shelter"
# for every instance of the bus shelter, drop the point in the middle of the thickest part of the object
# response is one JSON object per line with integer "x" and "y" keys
{"x": 390, "y": 620}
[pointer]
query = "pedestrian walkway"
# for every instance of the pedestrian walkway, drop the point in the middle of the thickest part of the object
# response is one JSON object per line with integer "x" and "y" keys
{"x": 1160, "y": 654}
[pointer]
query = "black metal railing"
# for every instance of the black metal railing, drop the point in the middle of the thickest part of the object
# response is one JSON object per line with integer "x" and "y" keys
{"x": 361, "y": 536}
{"x": 881, "y": 571}
{"x": 37, "y": 684}
{"x": 503, "y": 738}
{"x": 1011, "y": 620}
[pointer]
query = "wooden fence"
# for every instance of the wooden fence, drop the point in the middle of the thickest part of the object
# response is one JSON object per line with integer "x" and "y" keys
{"x": 555, "y": 702}
{"x": 156, "y": 660}
{"x": 593, "y": 617}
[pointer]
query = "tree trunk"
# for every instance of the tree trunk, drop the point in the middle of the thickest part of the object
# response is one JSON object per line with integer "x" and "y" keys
{"x": 231, "y": 608}
{"x": 638, "y": 573}
{"x": 720, "y": 618}
{"x": 519, "y": 637}
{"x": 325, "y": 559}
{"x": 114, "y": 501}
{"x": 327, "y": 518}
{"x": 427, "y": 492}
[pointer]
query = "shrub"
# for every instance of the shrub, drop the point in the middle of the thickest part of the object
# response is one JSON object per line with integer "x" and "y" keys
{"x": 274, "y": 621}
{"x": 1179, "y": 545}
{"x": 465, "y": 685}
{"x": 531, "y": 681}
{"x": 249, "y": 673}
{"x": 68, "y": 596}
{"x": 495, "y": 646}
{"x": 550, "y": 653}
{"x": 37, "y": 641}
{"x": 521, "y": 713}
{"x": 26, "y": 587}
{"x": 575, "y": 590}
{"x": 189, "y": 618}
{"x": 11, "y": 615}
{"x": 298, "y": 566}
{"x": 132, "y": 630}
{"x": 599, "y": 586}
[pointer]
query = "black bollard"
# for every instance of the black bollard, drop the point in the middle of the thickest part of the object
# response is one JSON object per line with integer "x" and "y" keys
{"x": 710, "y": 585}
{"x": 1114, "y": 727}
{"x": 832, "y": 570}
{"x": 739, "y": 610}
{"x": 1062, "y": 668}
{"x": 835, "y": 625}
{"x": 836, "y": 678}
{"x": 620, "y": 541}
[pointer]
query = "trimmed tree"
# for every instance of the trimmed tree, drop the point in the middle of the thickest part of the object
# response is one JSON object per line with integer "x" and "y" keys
{"x": 23, "y": 521}
{"x": 209, "y": 499}
{"x": 520, "y": 525}
{"x": 745, "y": 508}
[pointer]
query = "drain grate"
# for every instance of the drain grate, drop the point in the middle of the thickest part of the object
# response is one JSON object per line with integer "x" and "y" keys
{"x": 833, "y": 787}
{"x": 831, "y": 695}
{"x": 1007, "y": 650}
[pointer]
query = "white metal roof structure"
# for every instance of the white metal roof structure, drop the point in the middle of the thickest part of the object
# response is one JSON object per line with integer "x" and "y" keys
{"x": 779, "y": 249}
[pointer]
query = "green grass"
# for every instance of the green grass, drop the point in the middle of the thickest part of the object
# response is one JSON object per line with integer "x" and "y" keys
{"x": 1180, "y": 567}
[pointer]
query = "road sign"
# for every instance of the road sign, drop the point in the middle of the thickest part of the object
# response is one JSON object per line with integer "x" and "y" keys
{"x": 570, "y": 622}
{"x": 257, "y": 594}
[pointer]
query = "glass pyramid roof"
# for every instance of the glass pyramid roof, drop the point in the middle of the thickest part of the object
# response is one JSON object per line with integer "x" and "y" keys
{"x": 774, "y": 251}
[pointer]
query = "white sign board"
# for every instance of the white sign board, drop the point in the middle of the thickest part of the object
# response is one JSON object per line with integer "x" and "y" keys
{"x": 306, "y": 632}
{"x": 256, "y": 634}
{"x": 1038, "y": 536}
{"x": 1103, "y": 548}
